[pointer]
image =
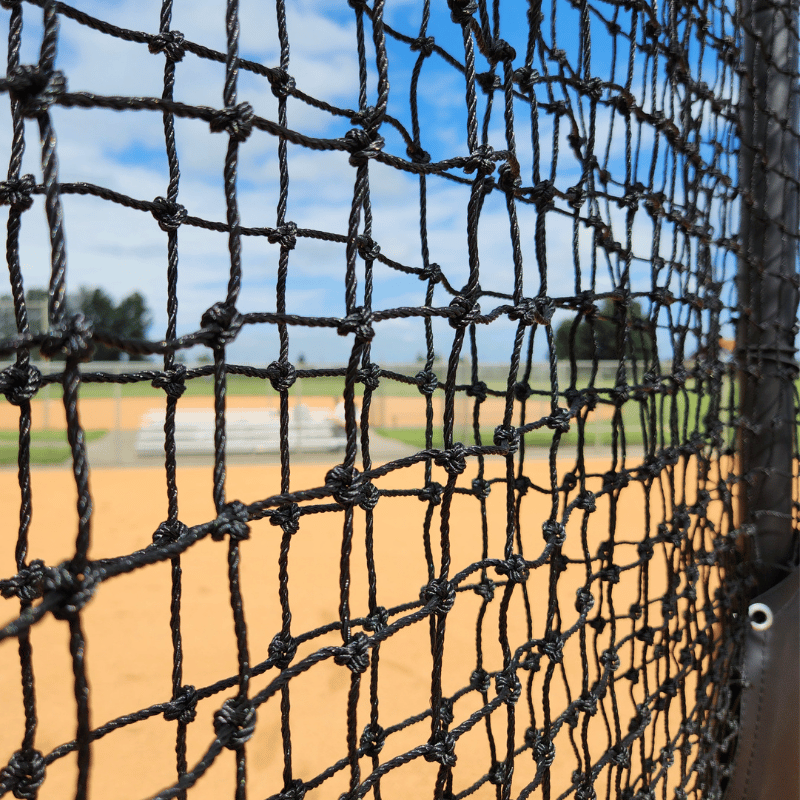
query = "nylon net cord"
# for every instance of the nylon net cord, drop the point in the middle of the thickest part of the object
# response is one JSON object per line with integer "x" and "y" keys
{"x": 677, "y": 114}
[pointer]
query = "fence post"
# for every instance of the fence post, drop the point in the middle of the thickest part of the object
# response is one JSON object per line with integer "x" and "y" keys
{"x": 767, "y": 279}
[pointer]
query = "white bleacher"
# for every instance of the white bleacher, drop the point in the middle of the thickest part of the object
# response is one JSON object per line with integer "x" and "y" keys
{"x": 248, "y": 431}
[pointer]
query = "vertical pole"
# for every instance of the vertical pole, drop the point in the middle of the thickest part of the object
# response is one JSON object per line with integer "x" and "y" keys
{"x": 767, "y": 282}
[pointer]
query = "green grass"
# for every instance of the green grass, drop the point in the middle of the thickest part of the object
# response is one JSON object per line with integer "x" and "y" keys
{"x": 415, "y": 437}
{"x": 47, "y": 447}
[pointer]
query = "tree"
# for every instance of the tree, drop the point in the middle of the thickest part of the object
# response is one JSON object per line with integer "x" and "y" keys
{"x": 604, "y": 346}
{"x": 130, "y": 319}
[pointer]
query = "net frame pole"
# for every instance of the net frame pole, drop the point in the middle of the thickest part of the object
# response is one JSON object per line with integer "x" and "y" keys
{"x": 767, "y": 282}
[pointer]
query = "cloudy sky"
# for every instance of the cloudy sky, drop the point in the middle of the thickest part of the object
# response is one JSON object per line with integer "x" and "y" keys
{"x": 124, "y": 250}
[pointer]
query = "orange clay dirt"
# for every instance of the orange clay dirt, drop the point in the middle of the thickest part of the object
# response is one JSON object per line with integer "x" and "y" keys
{"x": 129, "y": 650}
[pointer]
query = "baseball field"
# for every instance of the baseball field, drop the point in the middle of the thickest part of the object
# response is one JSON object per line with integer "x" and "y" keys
{"x": 129, "y": 646}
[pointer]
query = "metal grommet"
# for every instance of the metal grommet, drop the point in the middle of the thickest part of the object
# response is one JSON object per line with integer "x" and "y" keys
{"x": 760, "y": 616}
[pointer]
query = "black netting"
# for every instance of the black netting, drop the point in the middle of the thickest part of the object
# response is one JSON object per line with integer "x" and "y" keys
{"x": 595, "y": 172}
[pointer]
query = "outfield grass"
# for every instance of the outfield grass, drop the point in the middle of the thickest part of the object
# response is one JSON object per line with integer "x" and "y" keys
{"x": 415, "y": 437}
{"x": 47, "y": 447}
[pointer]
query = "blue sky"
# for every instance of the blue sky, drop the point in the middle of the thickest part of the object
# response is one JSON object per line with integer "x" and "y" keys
{"x": 124, "y": 250}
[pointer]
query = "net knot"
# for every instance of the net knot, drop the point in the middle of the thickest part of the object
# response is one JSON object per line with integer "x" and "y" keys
{"x": 485, "y": 589}
{"x": 542, "y": 195}
{"x": 610, "y": 660}
{"x": 538, "y": 310}
{"x": 377, "y": 620}
{"x": 72, "y": 339}
{"x": 479, "y": 680}
{"x": 645, "y": 549}
{"x": 584, "y": 601}
{"x": 481, "y": 488}
{"x": 554, "y": 532}
{"x": 169, "y": 532}
{"x": 281, "y": 375}
{"x": 441, "y": 749}
{"x": 296, "y": 790}
{"x": 586, "y": 501}
{"x": 559, "y": 420}
{"x": 452, "y": 460}
{"x": 598, "y": 623}
{"x": 525, "y": 78}
{"x": 531, "y": 662}
{"x": 362, "y": 145}
{"x": 183, "y": 707}
{"x": 349, "y": 489}
{"x": 508, "y": 686}
{"x": 285, "y": 235}
{"x": 432, "y": 493}
{"x": 16, "y": 192}
{"x": 423, "y": 45}
{"x": 73, "y": 590}
{"x": 632, "y": 675}
{"x": 282, "y": 649}
{"x": 461, "y": 11}
{"x": 171, "y": 43}
{"x": 358, "y": 322}
{"x": 19, "y": 383}
{"x": 173, "y": 381}
{"x": 370, "y": 376}
{"x": 281, "y": 83}
{"x": 27, "y": 584}
{"x": 432, "y": 272}
{"x": 576, "y": 197}
{"x": 552, "y": 646}
{"x": 427, "y": 382}
{"x": 499, "y": 773}
{"x": 237, "y": 121}
{"x": 478, "y": 390}
{"x": 480, "y": 160}
{"x": 615, "y": 480}
{"x": 370, "y": 494}
{"x": 286, "y": 517}
{"x": 587, "y": 703}
{"x": 646, "y": 634}
{"x": 499, "y": 50}
{"x": 372, "y": 740}
{"x": 488, "y": 81}
{"x": 507, "y": 437}
{"x": 463, "y": 311}
{"x": 234, "y": 723}
{"x": 440, "y": 593}
{"x": 232, "y": 520}
{"x": 522, "y": 484}
{"x": 368, "y": 248}
{"x": 354, "y": 655}
{"x": 223, "y": 322}
{"x": 610, "y": 574}
{"x": 24, "y": 774}
{"x": 587, "y": 792}
{"x": 509, "y": 180}
{"x": 620, "y": 394}
{"x": 35, "y": 89}
{"x": 417, "y": 155}
{"x": 515, "y": 568}
{"x": 542, "y": 748}
{"x": 570, "y": 482}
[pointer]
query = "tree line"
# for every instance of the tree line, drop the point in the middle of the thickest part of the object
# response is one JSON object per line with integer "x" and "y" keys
{"x": 599, "y": 339}
{"x": 130, "y": 318}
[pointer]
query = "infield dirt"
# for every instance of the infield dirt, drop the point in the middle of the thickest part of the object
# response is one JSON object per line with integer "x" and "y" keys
{"x": 129, "y": 648}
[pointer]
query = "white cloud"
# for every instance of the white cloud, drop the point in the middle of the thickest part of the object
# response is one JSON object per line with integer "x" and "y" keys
{"x": 124, "y": 250}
